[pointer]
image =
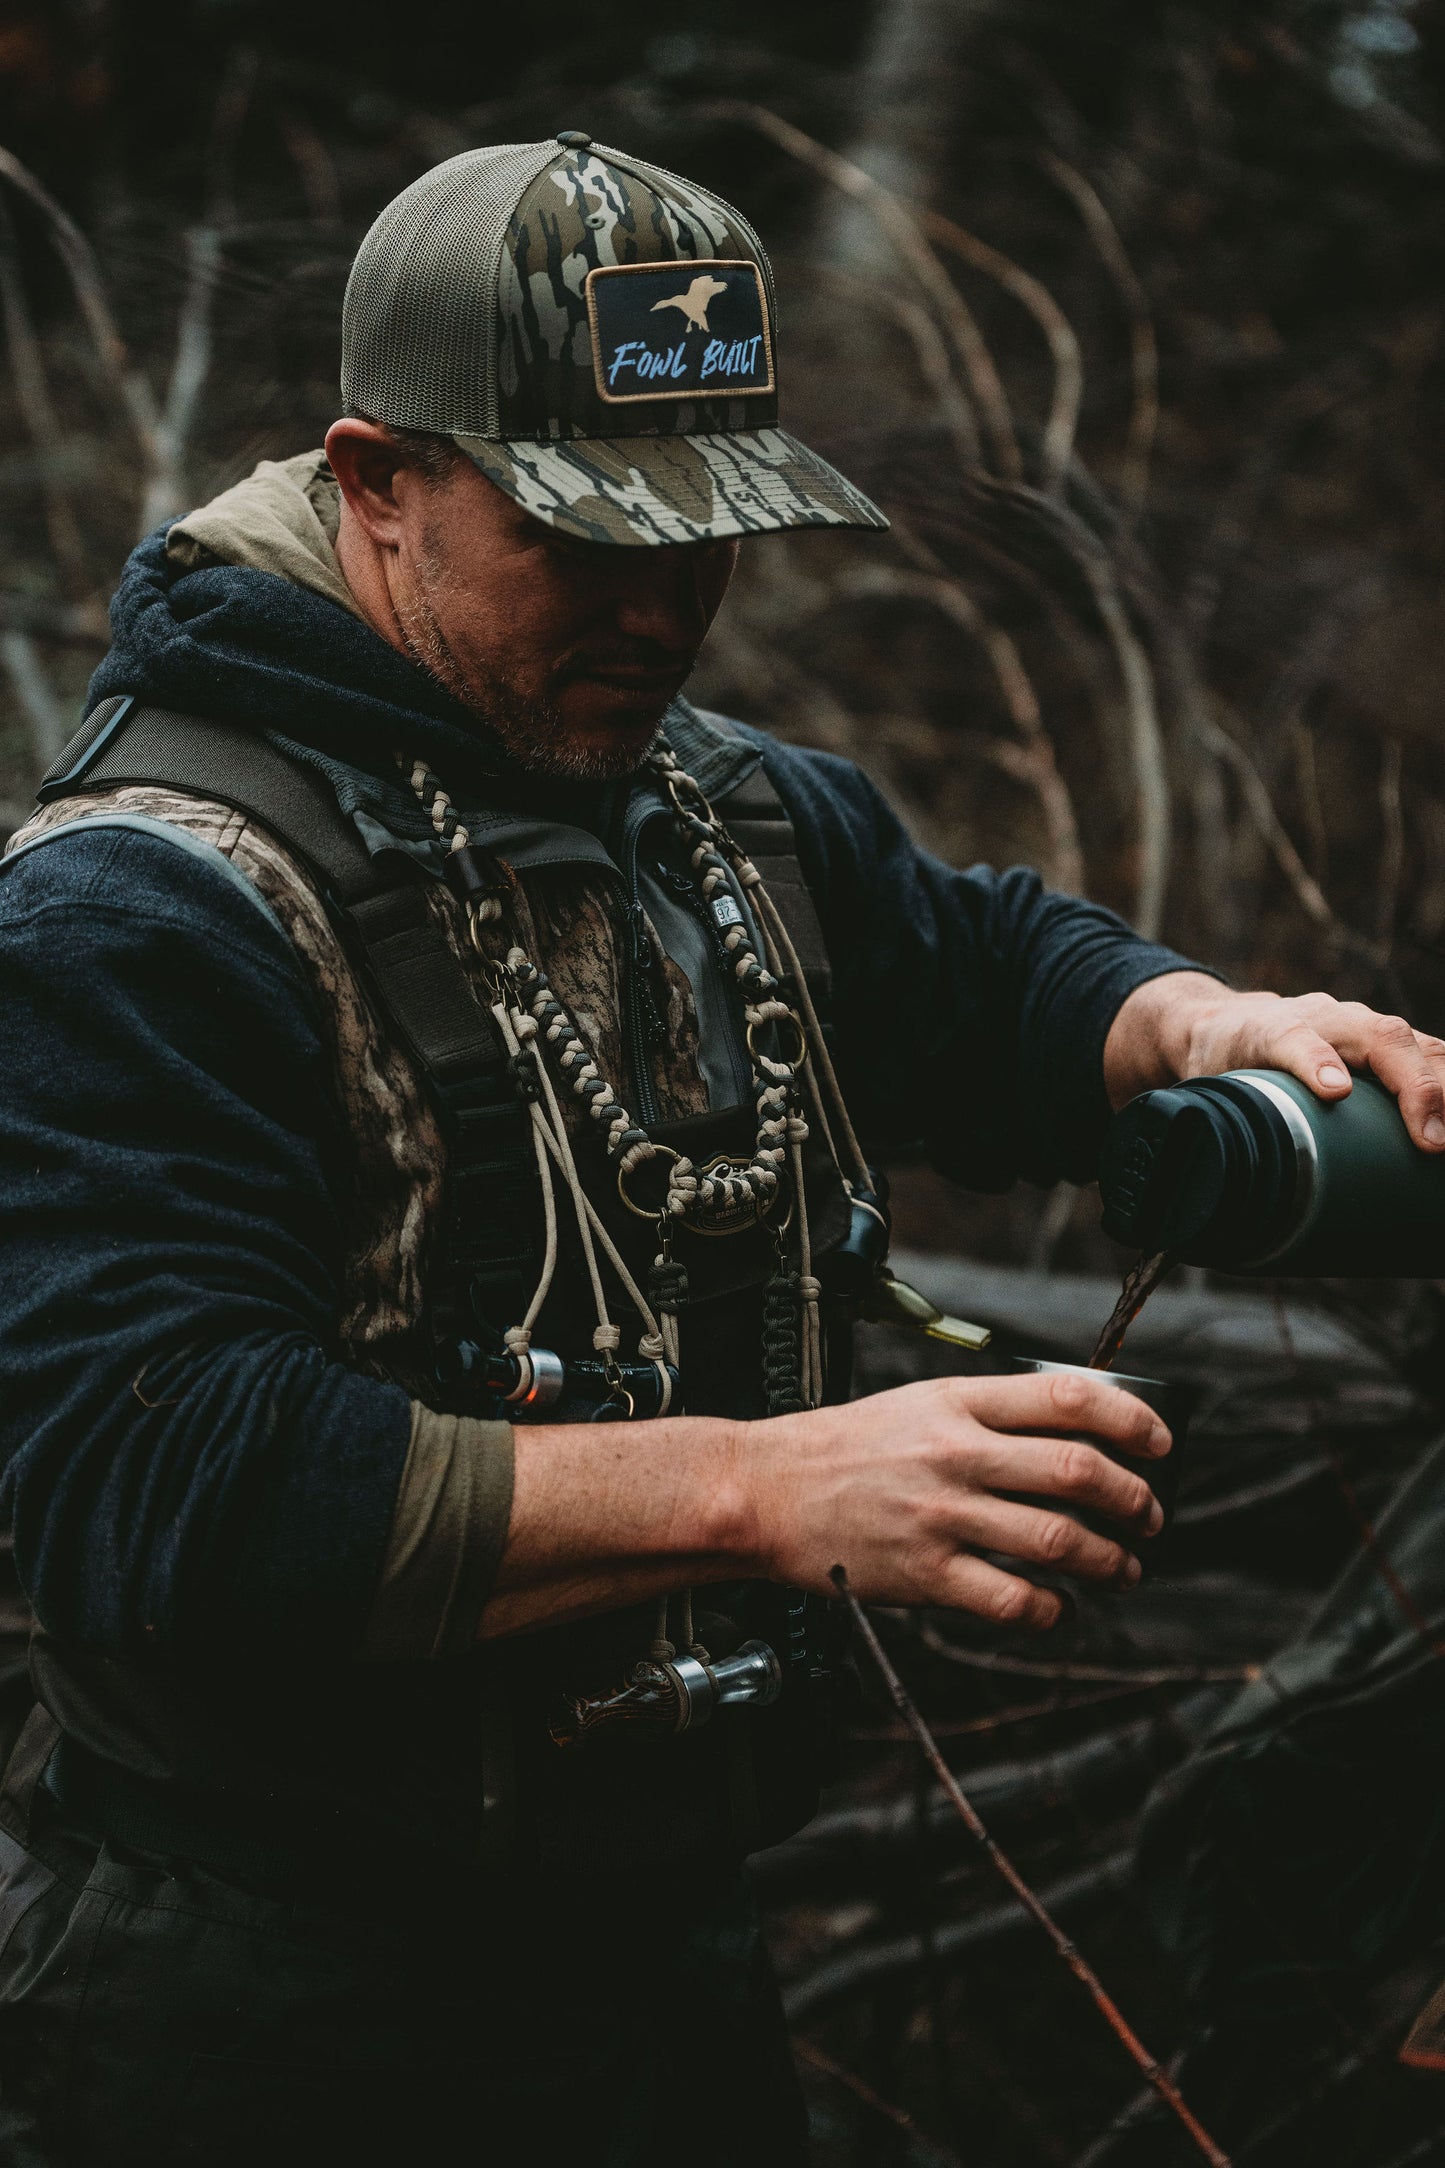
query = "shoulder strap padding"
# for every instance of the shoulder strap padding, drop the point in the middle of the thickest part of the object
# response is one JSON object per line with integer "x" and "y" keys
{"x": 122, "y": 741}
{"x": 381, "y": 911}
{"x": 758, "y": 820}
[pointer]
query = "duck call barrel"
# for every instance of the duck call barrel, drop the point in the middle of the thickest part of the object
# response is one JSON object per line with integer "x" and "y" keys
{"x": 1249, "y": 1172}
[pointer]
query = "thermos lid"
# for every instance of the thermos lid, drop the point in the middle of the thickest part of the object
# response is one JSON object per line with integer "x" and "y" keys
{"x": 1206, "y": 1169}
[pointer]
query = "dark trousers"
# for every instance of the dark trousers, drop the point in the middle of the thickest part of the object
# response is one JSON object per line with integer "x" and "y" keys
{"x": 152, "y": 2013}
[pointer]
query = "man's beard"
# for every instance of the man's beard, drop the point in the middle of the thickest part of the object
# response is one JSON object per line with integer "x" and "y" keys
{"x": 529, "y": 731}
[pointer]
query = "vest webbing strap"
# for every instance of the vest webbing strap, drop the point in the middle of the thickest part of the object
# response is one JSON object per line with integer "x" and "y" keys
{"x": 380, "y": 910}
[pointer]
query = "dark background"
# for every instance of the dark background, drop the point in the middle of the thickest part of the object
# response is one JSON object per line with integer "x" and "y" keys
{"x": 1141, "y": 346}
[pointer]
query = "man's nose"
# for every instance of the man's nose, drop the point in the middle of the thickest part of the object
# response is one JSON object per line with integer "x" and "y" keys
{"x": 665, "y": 598}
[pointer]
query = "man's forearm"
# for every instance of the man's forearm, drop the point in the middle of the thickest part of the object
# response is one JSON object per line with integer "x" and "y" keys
{"x": 905, "y": 1490}
{"x": 608, "y": 1514}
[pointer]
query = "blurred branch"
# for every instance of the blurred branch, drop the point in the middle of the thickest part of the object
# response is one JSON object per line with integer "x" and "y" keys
{"x": 1030, "y": 1667}
{"x": 923, "y": 2147}
{"x": 50, "y": 726}
{"x": 902, "y": 229}
{"x": 932, "y": 356}
{"x": 32, "y": 392}
{"x": 1260, "y": 807}
{"x": 1143, "y": 344}
{"x": 75, "y": 252}
{"x": 165, "y": 495}
{"x": 869, "y": 1964}
{"x": 1035, "y": 531}
{"x": 1030, "y": 758}
{"x": 166, "y": 492}
{"x": 315, "y": 167}
{"x": 78, "y": 624}
{"x": 1062, "y": 424}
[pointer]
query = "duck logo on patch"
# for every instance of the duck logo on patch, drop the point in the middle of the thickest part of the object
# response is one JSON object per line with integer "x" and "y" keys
{"x": 694, "y": 302}
{"x": 718, "y": 346}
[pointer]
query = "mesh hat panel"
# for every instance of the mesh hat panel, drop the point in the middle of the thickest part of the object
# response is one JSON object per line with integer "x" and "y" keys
{"x": 419, "y": 326}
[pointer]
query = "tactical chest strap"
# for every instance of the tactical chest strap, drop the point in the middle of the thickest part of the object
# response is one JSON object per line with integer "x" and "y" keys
{"x": 379, "y": 908}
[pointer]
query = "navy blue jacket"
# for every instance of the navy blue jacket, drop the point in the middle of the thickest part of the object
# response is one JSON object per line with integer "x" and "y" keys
{"x": 187, "y": 1463}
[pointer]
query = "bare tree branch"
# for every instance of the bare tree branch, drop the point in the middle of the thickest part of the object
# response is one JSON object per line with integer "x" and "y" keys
{"x": 75, "y": 252}
{"x": 166, "y": 490}
{"x": 1062, "y": 424}
{"x": 923, "y": 2146}
{"x": 1143, "y": 345}
{"x": 32, "y": 392}
{"x": 1030, "y": 759}
{"x": 50, "y": 725}
{"x": 902, "y": 228}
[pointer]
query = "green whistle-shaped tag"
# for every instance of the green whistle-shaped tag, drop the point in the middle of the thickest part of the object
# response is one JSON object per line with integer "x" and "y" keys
{"x": 894, "y": 1302}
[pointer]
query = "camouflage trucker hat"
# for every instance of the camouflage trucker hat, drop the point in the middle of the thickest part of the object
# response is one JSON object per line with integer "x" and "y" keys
{"x": 597, "y": 335}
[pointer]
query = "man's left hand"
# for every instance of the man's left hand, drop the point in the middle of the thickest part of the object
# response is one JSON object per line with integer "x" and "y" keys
{"x": 1185, "y": 1024}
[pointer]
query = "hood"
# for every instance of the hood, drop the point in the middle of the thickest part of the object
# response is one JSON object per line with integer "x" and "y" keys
{"x": 240, "y": 611}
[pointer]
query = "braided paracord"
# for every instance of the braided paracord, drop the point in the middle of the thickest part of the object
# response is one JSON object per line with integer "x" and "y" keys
{"x": 437, "y": 805}
{"x": 690, "y": 1195}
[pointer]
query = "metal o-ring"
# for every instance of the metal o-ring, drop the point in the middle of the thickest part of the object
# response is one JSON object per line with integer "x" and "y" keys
{"x": 658, "y": 1151}
{"x": 802, "y": 1054}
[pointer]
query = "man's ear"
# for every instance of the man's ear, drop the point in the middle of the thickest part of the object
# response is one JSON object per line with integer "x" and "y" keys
{"x": 371, "y": 469}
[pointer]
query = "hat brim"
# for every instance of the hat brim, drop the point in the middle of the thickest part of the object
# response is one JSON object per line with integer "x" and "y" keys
{"x": 660, "y": 489}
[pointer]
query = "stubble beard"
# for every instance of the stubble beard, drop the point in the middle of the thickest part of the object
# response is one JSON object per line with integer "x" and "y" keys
{"x": 529, "y": 730}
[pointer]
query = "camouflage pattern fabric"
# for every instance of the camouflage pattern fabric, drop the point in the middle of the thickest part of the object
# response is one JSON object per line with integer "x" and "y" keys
{"x": 673, "y": 488}
{"x": 670, "y": 469}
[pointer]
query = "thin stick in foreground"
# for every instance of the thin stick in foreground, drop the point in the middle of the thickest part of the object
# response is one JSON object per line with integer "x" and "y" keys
{"x": 1083, "y": 1972}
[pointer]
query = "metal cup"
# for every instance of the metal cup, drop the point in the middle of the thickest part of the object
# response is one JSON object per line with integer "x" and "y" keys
{"x": 1174, "y": 1403}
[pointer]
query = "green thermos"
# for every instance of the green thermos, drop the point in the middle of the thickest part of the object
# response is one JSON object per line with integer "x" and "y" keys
{"x": 1249, "y": 1172}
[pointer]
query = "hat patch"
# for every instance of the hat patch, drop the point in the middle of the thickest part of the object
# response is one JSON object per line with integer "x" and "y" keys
{"x": 683, "y": 330}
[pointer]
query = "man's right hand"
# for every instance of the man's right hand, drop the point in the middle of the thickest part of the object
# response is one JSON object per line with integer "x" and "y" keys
{"x": 905, "y": 1489}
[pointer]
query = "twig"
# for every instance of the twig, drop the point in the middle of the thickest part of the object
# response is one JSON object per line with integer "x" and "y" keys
{"x": 1401, "y": 1595}
{"x": 899, "y": 2117}
{"x": 78, "y": 624}
{"x": 1260, "y": 807}
{"x": 934, "y": 364}
{"x": 76, "y": 254}
{"x": 968, "y": 1727}
{"x": 1146, "y": 744}
{"x": 165, "y": 491}
{"x": 1143, "y": 345}
{"x": 902, "y": 228}
{"x": 315, "y": 167}
{"x": 1307, "y": 781}
{"x": 1153, "y": 2072}
{"x": 1036, "y": 765}
{"x": 49, "y": 725}
{"x": 1028, "y": 1667}
{"x": 861, "y": 1967}
{"x": 32, "y": 392}
{"x": 1062, "y": 424}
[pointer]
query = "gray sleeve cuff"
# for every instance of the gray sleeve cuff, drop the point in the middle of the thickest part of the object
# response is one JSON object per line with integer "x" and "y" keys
{"x": 448, "y": 1533}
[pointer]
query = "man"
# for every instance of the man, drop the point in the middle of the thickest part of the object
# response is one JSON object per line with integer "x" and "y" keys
{"x": 411, "y": 1023}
